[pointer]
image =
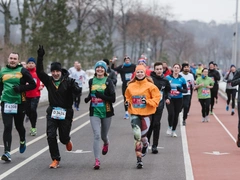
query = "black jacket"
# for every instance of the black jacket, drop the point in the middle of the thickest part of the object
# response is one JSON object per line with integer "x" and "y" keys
{"x": 163, "y": 85}
{"x": 214, "y": 74}
{"x": 236, "y": 81}
{"x": 112, "y": 75}
{"x": 61, "y": 96}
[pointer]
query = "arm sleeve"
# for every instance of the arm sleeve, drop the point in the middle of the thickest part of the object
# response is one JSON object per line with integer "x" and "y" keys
{"x": 109, "y": 94}
{"x": 40, "y": 72}
{"x": 27, "y": 78}
{"x": 236, "y": 78}
{"x": 155, "y": 97}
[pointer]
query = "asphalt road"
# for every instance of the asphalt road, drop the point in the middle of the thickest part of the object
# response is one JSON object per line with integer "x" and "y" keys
{"x": 118, "y": 164}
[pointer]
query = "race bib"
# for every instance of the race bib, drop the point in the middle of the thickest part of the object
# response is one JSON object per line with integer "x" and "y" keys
{"x": 205, "y": 92}
{"x": 161, "y": 94}
{"x": 58, "y": 113}
{"x": 97, "y": 102}
{"x": 137, "y": 102}
{"x": 10, "y": 108}
{"x": 128, "y": 76}
{"x": 174, "y": 92}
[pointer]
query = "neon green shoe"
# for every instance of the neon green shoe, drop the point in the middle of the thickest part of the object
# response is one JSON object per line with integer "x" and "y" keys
{"x": 33, "y": 131}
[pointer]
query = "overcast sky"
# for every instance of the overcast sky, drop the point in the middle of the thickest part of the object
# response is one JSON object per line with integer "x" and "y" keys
{"x": 222, "y": 11}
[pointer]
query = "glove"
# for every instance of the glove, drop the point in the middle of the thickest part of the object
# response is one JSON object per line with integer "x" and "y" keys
{"x": 179, "y": 89}
{"x": 143, "y": 100}
{"x": 126, "y": 104}
{"x": 99, "y": 95}
{"x": 16, "y": 88}
{"x": 40, "y": 51}
{"x": 87, "y": 99}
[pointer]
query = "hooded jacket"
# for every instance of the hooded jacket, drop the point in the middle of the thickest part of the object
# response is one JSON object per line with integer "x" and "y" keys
{"x": 214, "y": 74}
{"x": 60, "y": 96}
{"x": 35, "y": 92}
{"x": 236, "y": 81}
{"x": 142, "y": 89}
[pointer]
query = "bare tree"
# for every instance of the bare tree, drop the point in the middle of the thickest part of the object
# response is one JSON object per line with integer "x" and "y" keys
{"x": 5, "y": 9}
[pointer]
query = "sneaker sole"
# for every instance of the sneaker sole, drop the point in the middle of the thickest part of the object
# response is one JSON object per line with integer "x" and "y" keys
{"x": 140, "y": 166}
{"x": 96, "y": 167}
{"x": 6, "y": 159}
{"x": 54, "y": 167}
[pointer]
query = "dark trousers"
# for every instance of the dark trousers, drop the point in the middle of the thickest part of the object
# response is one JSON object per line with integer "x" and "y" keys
{"x": 31, "y": 110}
{"x": 8, "y": 123}
{"x": 124, "y": 87}
{"x": 174, "y": 109}
{"x": 186, "y": 105}
{"x": 63, "y": 127}
{"x": 214, "y": 93}
{"x": 238, "y": 106}
{"x": 77, "y": 99}
{"x": 231, "y": 95}
{"x": 155, "y": 126}
{"x": 205, "y": 106}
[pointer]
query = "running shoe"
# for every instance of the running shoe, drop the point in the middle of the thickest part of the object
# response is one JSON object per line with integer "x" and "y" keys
{"x": 104, "y": 149}
{"x": 6, "y": 157}
{"x": 232, "y": 113}
{"x": 145, "y": 150}
{"x": 169, "y": 131}
{"x": 22, "y": 147}
{"x": 211, "y": 113}
{"x": 184, "y": 123}
{"x": 207, "y": 118}
{"x": 238, "y": 142}
{"x": 97, "y": 164}
{"x": 227, "y": 107}
{"x": 33, "y": 131}
{"x": 126, "y": 116}
{"x": 154, "y": 149}
{"x": 77, "y": 108}
{"x": 203, "y": 119}
{"x": 54, "y": 164}
{"x": 139, "y": 163}
{"x": 69, "y": 145}
{"x": 174, "y": 134}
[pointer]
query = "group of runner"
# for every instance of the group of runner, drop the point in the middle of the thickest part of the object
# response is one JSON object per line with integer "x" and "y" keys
{"x": 145, "y": 91}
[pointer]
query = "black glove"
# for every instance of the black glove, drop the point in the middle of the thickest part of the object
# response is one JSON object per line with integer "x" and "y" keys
{"x": 179, "y": 89}
{"x": 126, "y": 104}
{"x": 143, "y": 100}
{"x": 16, "y": 88}
{"x": 99, "y": 95}
{"x": 40, "y": 51}
{"x": 87, "y": 99}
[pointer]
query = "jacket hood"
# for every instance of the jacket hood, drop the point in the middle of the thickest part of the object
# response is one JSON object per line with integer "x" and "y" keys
{"x": 65, "y": 73}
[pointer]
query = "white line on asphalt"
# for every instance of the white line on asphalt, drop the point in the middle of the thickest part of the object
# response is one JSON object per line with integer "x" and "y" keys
{"x": 224, "y": 127}
{"x": 35, "y": 155}
{"x": 42, "y": 117}
{"x": 186, "y": 156}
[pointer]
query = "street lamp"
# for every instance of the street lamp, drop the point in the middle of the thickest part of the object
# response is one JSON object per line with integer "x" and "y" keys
{"x": 235, "y": 36}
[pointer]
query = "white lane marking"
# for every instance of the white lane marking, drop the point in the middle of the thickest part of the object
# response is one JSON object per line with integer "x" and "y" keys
{"x": 186, "y": 155}
{"x": 224, "y": 127}
{"x": 78, "y": 151}
{"x": 10, "y": 171}
{"x": 216, "y": 153}
{"x": 42, "y": 117}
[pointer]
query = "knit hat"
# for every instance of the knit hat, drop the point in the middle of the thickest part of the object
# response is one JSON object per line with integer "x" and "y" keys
{"x": 184, "y": 65}
{"x": 232, "y": 66}
{"x": 31, "y": 59}
{"x": 56, "y": 66}
{"x": 211, "y": 63}
{"x": 142, "y": 61}
{"x": 102, "y": 64}
{"x": 106, "y": 61}
{"x": 140, "y": 67}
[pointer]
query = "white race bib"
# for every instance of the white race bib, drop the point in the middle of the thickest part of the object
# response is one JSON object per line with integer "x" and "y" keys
{"x": 58, "y": 113}
{"x": 10, "y": 108}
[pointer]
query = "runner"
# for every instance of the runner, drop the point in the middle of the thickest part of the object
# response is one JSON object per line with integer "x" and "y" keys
{"x": 230, "y": 90}
{"x": 166, "y": 71}
{"x": 185, "y": 73}
{"x": 178, "y": 86}
{"x": 199, "y": 70}
{"x": 234, "y": 82}
{"x": 59, "y": 112}
{"x": 13, "y": 79}
{"x": 102, "y": 95}
{"x": 214, "y": 74}
{"x": 73, "y": 69}
{"x": 142, "y": 99}
{"x": 126, "y": 70}
{"x": 33, "y": 96}
{"x": 144, "y": 63}
{"x": 111, "y": 73}
{"x": 203, "y": 86}
{"x": 80, "y": 78}
{"x": 164, "y": 87}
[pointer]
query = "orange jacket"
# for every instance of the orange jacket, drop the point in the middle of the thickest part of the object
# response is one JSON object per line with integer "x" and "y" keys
{"x": 134, "y": 93}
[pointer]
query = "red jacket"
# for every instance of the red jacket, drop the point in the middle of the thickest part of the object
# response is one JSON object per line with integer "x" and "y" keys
{"x": 35, "y": 92}
{"x": 167, "y": 72}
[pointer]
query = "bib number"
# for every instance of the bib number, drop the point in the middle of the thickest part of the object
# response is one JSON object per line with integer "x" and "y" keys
{"x": 128, "y": 76}
{"x": 10, "y": 108}
{"x": 205, "y": 92}
{"x": 58, "y": 113}
{"x": 137, "y": 102}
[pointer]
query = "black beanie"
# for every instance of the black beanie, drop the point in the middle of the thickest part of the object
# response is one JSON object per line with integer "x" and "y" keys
{"x": 184, "y": 65}
{"x": 106, "y": 61}
{"x": 211, "y": 63}
{"x": 56, "y": 66}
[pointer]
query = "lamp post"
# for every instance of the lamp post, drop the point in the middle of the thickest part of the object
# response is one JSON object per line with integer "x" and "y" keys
{"x": 235, "y": 34}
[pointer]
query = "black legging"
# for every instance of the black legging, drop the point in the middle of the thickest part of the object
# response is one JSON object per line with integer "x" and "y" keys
{"x": 214, "y": 93}
{"x": 205, "y": 106}
{"x": 124, "y": 87}
{"x": 8, "y": 123}
{"x": 174, "y": 108}
{"x": 231, "y": 94}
